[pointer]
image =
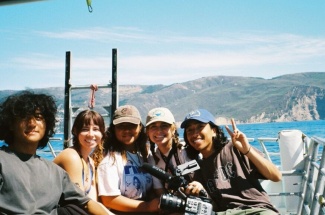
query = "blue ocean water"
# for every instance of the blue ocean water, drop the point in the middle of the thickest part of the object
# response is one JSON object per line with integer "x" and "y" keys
{"x": 256, "y": 130}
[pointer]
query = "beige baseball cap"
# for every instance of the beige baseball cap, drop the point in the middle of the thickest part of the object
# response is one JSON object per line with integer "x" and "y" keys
{"x": 160, "y": 114}
{"x": 126, "y": 113}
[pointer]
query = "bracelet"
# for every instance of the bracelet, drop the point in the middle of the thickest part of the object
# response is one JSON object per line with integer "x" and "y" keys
{"x": 248, "y": 150}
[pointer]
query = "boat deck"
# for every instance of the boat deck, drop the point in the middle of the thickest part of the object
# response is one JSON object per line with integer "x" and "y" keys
{"x": 301, "y": 190}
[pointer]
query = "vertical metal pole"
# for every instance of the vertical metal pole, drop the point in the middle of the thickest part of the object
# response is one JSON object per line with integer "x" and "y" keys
{"x": 319, "y": 188}
{"x": 114, "y": 83}
{"x": 309, "y": 172}
{"x": 67, "y": 99}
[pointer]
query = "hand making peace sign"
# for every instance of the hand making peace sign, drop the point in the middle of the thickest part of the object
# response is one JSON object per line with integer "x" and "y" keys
{"x": 238, "y": 138}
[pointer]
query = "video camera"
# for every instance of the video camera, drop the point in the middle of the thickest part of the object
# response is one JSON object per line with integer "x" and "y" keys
{"x": 185, "y": 204}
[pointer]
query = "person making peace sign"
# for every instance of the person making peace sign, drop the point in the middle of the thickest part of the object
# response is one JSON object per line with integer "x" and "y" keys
{"x": 229, "y": 170}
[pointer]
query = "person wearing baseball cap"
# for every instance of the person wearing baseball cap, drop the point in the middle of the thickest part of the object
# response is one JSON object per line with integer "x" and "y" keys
{"x": 230, "y": 170}
{"x": 164, "y": 141}
{"x": 161, "y": 114}
{"x": 126, "y": 114}
{"x": 125, "y": 152}
{"x": 201, "y": 115}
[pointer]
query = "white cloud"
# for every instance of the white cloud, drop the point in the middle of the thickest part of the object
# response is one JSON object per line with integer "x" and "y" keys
{"x": 257, "y": 54}
{"x": 38, "y": 61}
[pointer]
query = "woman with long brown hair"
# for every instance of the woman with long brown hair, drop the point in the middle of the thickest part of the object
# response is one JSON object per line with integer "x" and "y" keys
{"x": 81, "y": 160}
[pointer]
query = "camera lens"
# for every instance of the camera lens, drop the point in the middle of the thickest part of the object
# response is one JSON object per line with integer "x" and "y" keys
{"x": 172, "y": 203}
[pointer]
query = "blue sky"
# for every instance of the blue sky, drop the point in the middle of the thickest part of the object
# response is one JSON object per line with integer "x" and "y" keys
{"x": 158, "y": 41}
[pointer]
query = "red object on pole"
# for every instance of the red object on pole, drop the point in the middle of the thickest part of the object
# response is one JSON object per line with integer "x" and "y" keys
{"x": 93, "y": 88}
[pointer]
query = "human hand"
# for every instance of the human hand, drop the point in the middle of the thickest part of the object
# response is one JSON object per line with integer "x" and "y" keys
{"x": 238, "y": 138}
{"x": 194, "y": 188}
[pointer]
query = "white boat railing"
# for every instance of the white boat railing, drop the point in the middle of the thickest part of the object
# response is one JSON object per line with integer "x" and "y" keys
{"x": 312, "y": 199}
{"x": 309, "y": 193}
{"x": 51, "y": 147}
{"x": 51, "y": 153}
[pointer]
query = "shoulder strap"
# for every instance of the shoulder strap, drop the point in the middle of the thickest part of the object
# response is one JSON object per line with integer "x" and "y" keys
{"x": 172, "y": 152}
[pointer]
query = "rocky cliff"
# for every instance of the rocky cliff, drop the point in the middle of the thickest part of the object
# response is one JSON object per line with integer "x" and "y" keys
{"x": 292, "y": 97}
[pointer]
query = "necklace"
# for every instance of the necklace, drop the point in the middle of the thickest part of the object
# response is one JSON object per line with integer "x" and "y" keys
{"x": 86, "y": 174}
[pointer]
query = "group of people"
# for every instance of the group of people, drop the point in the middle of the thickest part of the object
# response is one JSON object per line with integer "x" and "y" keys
{"x": 102, "y": 172}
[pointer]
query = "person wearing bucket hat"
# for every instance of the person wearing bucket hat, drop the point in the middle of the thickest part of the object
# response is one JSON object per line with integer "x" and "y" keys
{"x": 125, "y": 152}
{"x": 169, "y": 153}
{"x": 230, "y": 170}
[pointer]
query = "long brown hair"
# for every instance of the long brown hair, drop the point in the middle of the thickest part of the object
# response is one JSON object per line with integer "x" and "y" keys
{"x": 85, "y": 118}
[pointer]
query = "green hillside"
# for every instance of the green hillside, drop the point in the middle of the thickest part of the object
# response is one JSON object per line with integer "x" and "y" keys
{"x": 284, "y": 98}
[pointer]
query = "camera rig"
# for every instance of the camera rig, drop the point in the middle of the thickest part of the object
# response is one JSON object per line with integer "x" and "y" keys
{"x": 171, "y": 202}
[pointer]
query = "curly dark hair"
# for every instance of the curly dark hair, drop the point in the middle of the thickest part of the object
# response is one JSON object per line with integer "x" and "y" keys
{"x": 111, "y": 143}
{"x": 22, "y": 105}
{"x": 219, "y": 141}
{"x": 84, "y": 118}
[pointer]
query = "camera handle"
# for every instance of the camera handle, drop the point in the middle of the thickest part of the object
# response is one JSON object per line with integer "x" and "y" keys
{"x": 187, "y": 168}
{"x": 183, "y": 195}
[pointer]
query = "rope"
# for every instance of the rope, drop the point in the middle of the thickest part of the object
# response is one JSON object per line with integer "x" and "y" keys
{"x": 93, "y": 88}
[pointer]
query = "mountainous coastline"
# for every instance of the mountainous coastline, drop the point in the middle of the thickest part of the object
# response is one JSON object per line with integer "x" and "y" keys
{"x": 294, "y": 97}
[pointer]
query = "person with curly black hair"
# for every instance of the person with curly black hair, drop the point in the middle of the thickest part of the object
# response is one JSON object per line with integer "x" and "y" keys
{"x": 30, "y": 184}
{"x": 229, "y": 170}
{"x": 25, "y": 105}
